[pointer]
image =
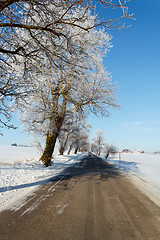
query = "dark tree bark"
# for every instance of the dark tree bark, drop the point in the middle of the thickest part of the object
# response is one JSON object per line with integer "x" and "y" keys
{"x": 63, "y": 146}
{"x": 61, "y": 149}
{"x": 49, "y": 148}
{"x": 107, "y": 154}
{"x": 76, "y": 150}
{"x": 69, "y": 150}
{"x": 51, "y": 138}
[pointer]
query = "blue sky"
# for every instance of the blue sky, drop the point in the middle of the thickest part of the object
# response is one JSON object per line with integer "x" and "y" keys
{"x": 134, "y": 62}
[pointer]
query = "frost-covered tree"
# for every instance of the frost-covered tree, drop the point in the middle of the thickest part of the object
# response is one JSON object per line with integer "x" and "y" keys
{"x": 94, "y": 148}
{"x": 9, "y": 90}
{"x": 84, "y": 142}
{"x": 81, "y": 82}
{"x": 38, "y": 17}
{"x": 98, "y": 142}
{"x": 71, "y": 124}
{"x": 31, "y": 30}
{"x": 28, "y": 27}
{"x": 109, "y": 149}
{"x": 79, "y": 139}
{"x": 98, "y": 146}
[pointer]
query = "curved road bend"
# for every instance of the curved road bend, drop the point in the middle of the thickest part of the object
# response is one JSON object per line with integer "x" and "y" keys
{"x": 91, "y": 201}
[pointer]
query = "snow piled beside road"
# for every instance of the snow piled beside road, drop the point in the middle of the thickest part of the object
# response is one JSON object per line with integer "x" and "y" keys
{"x": 144, "y": 171}
{"x": 21, "y": 173}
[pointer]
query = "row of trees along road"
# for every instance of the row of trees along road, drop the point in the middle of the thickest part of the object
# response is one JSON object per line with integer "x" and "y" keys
{"x": 52, "y": 61}
{"x": 99, "y": 146}
{"x": 74, "y": 133}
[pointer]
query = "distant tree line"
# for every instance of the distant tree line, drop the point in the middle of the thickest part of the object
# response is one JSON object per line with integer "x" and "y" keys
{"x": 100, "y": 147}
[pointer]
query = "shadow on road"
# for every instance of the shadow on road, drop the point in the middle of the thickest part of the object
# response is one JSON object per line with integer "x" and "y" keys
{"x": 90, "y": 164}
{"x": 25, "y": 185}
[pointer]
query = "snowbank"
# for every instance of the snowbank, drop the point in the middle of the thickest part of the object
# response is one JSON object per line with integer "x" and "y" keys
{"x": 21, "y": 173}
{"x": 144, "y": 171}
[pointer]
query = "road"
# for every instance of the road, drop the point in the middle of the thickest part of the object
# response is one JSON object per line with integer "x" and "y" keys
{"x": 90, "y": 201}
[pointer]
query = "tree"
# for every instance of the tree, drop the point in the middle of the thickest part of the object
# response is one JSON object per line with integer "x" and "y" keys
{"x": 94, "y": 148}
{"x": 8, "y": 90}
{"x": 79, "y": 139}
{"x": 70, "y": 126}
{"x": 55, "y": 48}
{"x": 41, "y": 17}
{"x": 109, "y": 149}
{"x": 74, "y": 132}
{"x": 31, "y": 30}
{"x": 84, "y": 85}
{"x": 27, "y": 26}
{"x": 98, "y": 142}
{"x": 84, "y": 142}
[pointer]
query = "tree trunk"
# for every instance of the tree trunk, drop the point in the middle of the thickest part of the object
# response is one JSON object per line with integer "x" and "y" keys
{"x": 99, "y": 149}
{"x": 76, "y": 150}
{"x": 69, "y": 150}
{"x": 107, "y": 154}
{"x": 50, "y": 144}
{"x": 49, "y": 148}
{"x": 61, "y": 149}
{"x": 51, "y": 138}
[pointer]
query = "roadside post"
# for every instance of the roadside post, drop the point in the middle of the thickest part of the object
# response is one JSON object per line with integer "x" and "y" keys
{"x": 119, "y": 157}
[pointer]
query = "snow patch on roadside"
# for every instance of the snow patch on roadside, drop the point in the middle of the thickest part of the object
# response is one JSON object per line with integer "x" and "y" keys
{"x": 21, "y": 173}
{"x": 143, "y": 170}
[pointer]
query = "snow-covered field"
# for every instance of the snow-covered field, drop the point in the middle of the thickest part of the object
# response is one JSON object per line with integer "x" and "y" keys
{"x": 21, "y": 173}
{"x": 144, "y": 171}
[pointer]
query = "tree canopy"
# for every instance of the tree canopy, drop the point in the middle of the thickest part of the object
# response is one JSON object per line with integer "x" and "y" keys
{"x": 51, "y": 56}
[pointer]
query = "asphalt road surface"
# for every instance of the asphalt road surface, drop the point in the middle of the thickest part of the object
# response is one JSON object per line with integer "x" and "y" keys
{"x": 91, "y": 201}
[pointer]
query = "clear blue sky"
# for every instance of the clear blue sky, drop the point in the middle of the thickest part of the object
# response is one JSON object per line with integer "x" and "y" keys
{"x": 134, "y": 62}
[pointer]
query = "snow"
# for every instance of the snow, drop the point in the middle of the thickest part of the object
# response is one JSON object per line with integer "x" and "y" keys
{"x": 143, "y": 170}
{"x": 62, "y": 208}
{"x": 21, "y": 173}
